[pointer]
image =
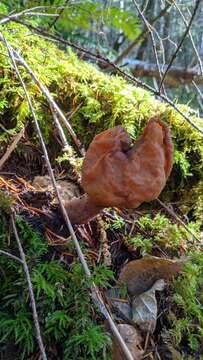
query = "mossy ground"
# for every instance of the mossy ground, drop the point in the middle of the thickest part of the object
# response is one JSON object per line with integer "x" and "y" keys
{"x": 61, "y": 291}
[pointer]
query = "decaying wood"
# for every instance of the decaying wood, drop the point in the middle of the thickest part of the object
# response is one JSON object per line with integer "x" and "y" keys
{"x": 176, "y": 75}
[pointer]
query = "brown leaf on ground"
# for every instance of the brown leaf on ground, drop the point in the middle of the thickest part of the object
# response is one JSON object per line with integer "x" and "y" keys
{"x": 132, "y": 339}
{"x": 119, "y": 305}
{"x": 140, "y": 275}
{"x": 144, "y": 308}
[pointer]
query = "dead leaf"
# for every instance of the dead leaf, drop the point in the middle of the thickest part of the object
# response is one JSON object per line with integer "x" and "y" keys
{"x": 140, "y": 275}
{"x": 132, "y": 338}
{"x": 119, "y": 303}
{"x": 144, "y": 308}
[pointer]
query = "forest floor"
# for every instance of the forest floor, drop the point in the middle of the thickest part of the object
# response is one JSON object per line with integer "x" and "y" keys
{"x": 113, "y": 239}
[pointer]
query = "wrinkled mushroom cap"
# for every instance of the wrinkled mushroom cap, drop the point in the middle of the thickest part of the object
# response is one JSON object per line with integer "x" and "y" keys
{"x": 117, "y": 172}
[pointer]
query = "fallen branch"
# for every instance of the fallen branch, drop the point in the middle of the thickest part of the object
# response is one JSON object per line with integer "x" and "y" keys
{"x": 12, "y": 147}
{"x": 176, "y": 75}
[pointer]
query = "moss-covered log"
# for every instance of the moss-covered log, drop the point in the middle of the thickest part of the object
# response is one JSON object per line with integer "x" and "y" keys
{"x": 104, "y": 101}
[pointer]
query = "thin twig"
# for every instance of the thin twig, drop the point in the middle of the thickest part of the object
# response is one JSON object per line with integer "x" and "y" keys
{"x": 148, "y": 26}
{"x": 2, "y": 252}
{"x": 141, "y": 36}
{"x": 96, "y": 296}
{"x": 12, "y": 147}
{"x": 198, "y": 89}
{"x": 101, "y": 58}
{"x": 66, "y": 147}
{"x": 191, "y": 37}
{"x": 180, "y": 43}
{"x": 176, "y": 217}
{"x": 30, "y": 288}
{"x": 9, "y": 132}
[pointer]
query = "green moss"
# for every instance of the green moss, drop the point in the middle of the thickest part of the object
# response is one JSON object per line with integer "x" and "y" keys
{"x": 160, "y": 230}
{"x": 186, "y": 315}
{"x": 6, "y": 201}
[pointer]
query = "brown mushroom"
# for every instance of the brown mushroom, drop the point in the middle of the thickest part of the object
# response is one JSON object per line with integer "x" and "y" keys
{"x": 118, "y": 172}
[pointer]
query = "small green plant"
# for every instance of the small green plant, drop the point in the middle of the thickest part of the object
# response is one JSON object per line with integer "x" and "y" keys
{"x": 117, "y": 223}
{"x": 186, "y": 314}
{"x": 68, "y": 322}
{"x": 102, "y": 276}
{"x": 143, "y": 244}
{"x": 153, "y": 224}
{"x": 165, "y": 233}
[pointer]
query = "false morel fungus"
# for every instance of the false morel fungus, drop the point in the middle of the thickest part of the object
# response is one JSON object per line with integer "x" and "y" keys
{"x": 121, "y": 173}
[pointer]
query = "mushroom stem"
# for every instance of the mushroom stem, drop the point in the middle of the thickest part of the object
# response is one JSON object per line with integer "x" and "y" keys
{"x": 81, "y": 210}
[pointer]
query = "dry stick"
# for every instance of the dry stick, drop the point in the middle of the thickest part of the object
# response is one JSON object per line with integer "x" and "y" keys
{"x": 51, "y": 101}
{"x": 2, "y": 252}
{"x": 12, "y": 147}
{"x": 172, "y": 213}
{"x": 66, "y": 146}
{"x": 30, "y": 288}
{"x": 191, "y": 37}
{"x": 148, "y": 26}
{"x": 96, "y": 296}
{"x": 73, "y": 112}
{"x": 180, "y": 43}
{"x": 145, "y": 5}
{"x": 129, "y": 77}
